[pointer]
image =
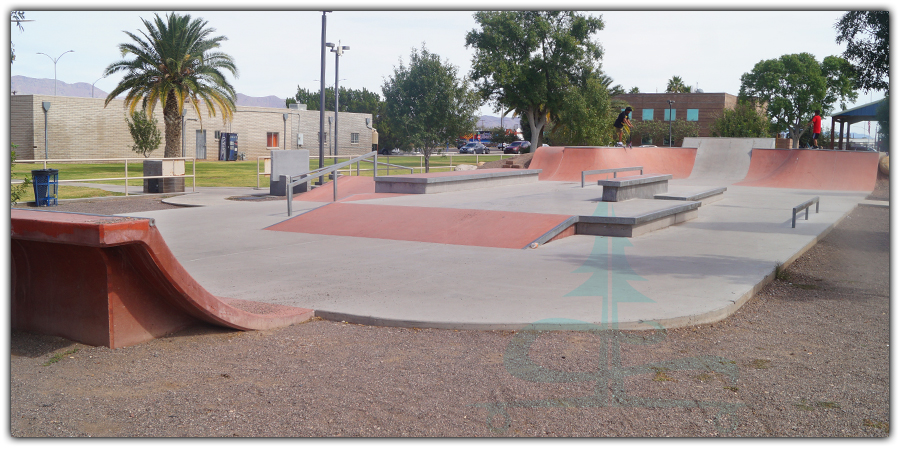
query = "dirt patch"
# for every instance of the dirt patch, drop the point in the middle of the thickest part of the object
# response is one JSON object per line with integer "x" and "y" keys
{"x": 524, "y": 160}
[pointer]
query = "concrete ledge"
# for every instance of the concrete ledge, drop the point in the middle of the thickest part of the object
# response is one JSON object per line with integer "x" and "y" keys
{"x": 704, "y": 196}
{"x": 431, "y": 183}
{"x": 634, "y": 187}
{"x": 633, "y": 226}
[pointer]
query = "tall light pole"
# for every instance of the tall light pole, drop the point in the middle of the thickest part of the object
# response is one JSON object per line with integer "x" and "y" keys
{"x": 671, "y": 115}
{"x": 54, "y": 68}
{"x": 322, "y": 102}
{"x": 338, "y": 52}
{"x": 95, "y": 82}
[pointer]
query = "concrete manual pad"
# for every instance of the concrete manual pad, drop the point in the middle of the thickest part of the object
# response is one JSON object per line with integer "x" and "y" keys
{"x": 694, "y": 272}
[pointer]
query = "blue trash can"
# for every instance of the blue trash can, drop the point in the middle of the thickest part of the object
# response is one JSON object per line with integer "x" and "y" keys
{"x": 46, "y": 186}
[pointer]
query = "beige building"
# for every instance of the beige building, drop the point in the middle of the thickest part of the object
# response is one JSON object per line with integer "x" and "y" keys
{"x": 81, "y": 128}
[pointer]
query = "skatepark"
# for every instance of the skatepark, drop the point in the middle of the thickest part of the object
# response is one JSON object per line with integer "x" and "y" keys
{"x": 543, "y": 249}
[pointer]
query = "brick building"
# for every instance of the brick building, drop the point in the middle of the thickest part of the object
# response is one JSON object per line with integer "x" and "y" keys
{"x": 81, "y": 128}
{"x": 702, "y": 108}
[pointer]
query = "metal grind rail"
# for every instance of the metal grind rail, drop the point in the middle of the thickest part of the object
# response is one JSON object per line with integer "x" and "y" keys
{"x": 613, "y": 171}
{"x": 806, "y": 205}
{"x": 291, "y": 181}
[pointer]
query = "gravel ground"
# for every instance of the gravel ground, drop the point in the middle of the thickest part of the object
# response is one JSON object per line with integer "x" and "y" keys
{"x": 807, "y": 357}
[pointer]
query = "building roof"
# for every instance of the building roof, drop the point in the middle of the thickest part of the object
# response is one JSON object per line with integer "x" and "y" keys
{"x": 861, "y": 113}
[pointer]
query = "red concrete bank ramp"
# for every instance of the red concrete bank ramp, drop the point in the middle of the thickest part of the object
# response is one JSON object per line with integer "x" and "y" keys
{"x": 812, "y": 169}
{"x": 485, "y": 228}
{"x": 567, "y": 163}
{"x": 112, "y": 281}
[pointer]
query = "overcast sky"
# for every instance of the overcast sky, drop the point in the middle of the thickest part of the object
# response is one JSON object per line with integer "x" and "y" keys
{"x": 277, "y": 50}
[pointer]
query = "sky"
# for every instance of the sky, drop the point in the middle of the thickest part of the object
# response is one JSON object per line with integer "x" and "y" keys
{"x": 276, "y": 45}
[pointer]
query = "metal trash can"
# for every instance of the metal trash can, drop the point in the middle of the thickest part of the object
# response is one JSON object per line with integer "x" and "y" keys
{"x": 46, "y": 186}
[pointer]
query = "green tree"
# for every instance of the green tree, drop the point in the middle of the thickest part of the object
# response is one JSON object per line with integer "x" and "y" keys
{"x": 175, "y": 62}
{"x": 144, "y": 132}
{"x": 17, "y": 17}
{"x": 657, "y": 132}
{"x": 634, "y": 90}
{"x": 18, "y": 190}
{"x": 528, "y": 61}
{"x": 867, "y": 34}
{"x": 743, "y": 121}
{"x": 676, "y": 86}
{"x": 883, "y": 115}
{"x": 586, "y": 118}
{"x": 795, "y": 85}
{"x": 427, "y": 104}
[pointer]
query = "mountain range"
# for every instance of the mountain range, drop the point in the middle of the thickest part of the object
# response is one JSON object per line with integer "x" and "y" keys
{"x": 23, "y": 85}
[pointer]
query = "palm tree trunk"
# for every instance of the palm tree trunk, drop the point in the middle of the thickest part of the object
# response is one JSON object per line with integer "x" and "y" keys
{"x": 172, "y": 119}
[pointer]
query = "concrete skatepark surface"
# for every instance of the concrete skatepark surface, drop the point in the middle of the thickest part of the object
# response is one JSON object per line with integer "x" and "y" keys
{"x": 694, "y": 272}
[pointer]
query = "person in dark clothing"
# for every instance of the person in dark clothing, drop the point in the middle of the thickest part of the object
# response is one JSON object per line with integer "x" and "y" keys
{"x": 622, "y": 121}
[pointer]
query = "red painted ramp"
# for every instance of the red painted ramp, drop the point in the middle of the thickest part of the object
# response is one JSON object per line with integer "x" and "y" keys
{"x": 452, "y": 226}
{"x": 347, "y": 186}
{"x": 812, "y": 169}
{"x": 112, "y": 281}
{"x": 567, "y": 163}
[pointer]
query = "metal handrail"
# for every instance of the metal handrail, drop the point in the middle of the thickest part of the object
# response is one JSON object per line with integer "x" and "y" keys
{"x": 411, "y": 170}
{"x": 613, "y": 171}
{"x": 126, "y": 160}
{"x": 313, "y": 174}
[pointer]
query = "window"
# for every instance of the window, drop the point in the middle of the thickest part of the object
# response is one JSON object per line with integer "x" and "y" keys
{"x": 669, "y": 115}
{"x": 272, "y": 139}
{"x": 216, "y": 133}
{"x": 354, "y": 139}
{"x": 693, "y": 114}
{"x": 647, "y": 114}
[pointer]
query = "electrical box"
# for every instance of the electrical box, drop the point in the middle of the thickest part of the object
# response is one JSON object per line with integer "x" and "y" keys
{"x": 299, "y": 139}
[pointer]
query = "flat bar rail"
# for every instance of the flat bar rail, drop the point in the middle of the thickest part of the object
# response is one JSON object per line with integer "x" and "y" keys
{"x": 806, "y": 205}
{"x": 292, "y": 181}
{"x": 613, "y": 171}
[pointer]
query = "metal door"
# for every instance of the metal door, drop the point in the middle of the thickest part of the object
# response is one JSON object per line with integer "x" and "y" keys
{"x": 200, "y": 152}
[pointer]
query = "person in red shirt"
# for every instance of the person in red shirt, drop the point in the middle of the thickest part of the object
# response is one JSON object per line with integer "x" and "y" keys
{"x": 816, "y": 122}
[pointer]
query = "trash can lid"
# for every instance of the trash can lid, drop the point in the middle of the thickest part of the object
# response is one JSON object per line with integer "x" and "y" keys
{"x": 45, "y": 172}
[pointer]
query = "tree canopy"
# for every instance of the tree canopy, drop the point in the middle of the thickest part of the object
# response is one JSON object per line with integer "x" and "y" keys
{"x": 175, "y": 62}
{"x": 527, "y": 61}
{"x": 676, "y": 86}
{"x": 867, "y": 34}
{"x": 795, "y": 85}
{"x": 426, "y": 104}
{"x": 743, "y": 121}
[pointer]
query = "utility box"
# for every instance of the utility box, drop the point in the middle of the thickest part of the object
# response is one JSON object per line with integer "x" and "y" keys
{"x": 290, "y": 162}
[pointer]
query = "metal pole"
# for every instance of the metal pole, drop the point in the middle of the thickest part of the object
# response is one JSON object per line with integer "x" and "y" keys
{"x": 321, "y": 104}
{"x": 337, "y": 55}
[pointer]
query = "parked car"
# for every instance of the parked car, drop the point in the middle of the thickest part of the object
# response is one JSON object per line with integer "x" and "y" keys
{"x": 502, "y": 146}
{"x": 474, "y": 148}
{"x": 517, "y": 147}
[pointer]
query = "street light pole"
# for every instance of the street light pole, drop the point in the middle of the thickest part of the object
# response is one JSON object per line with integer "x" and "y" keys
{"x": 338, "y": 52}
{"x": 671, "y": 115}
{"x": 95, "y": 82}
{"x": 54, "y": 67}
{"x": 322, "y": 102}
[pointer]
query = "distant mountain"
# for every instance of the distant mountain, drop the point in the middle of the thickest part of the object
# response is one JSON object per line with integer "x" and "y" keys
{"x": 490, "y": 122}
{"x": 24, "y": 85}
{"x": 267, "y": 102}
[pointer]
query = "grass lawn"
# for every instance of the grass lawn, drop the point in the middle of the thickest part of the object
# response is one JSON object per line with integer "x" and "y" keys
{"x": 71, "y": 192}
{"x": 224, "y": 174}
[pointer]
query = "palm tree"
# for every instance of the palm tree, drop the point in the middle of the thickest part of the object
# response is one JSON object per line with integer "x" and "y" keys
{"x": 174, "y": 63}
{"x": 676, "y": 86}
